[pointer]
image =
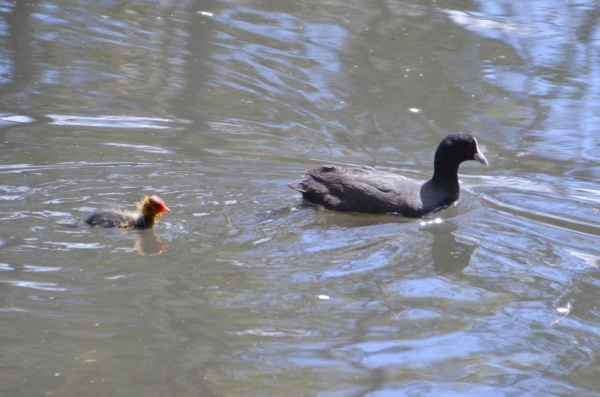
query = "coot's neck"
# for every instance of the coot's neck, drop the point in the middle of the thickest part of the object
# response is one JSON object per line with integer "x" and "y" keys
{"x": 145, "y": 220}
{"x": 445, "y": 170}
{"x": 149, "y": 220}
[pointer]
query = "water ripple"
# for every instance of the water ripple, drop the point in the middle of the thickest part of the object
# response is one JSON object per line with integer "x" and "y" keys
{"x": 115, "y": 121}
{"x": 42, "y": 286}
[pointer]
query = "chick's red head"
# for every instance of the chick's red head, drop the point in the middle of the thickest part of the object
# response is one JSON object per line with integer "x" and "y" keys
{"x": 157, "y": 204}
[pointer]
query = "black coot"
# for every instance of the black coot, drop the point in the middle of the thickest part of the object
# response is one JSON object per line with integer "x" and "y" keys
{"x": 365, "y": 189}
{"x": 150, "y": 209}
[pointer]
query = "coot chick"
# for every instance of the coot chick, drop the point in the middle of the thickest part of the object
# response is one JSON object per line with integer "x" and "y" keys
{"x": 149, "y": 210}
{"x": 365, "y": 189}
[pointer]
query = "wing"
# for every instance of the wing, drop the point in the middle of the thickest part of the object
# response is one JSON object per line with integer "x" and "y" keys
{"x": 107, "y": 219}
{"x": 361, "y": 189}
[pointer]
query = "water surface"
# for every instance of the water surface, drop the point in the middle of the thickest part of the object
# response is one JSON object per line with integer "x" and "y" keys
{"x": 243, "y": 289}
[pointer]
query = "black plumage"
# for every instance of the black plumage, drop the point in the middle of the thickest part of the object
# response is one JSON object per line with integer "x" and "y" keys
{"x": 366, "y": 189}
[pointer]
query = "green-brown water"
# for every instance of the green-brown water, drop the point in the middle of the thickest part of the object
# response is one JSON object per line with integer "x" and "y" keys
{"x": 242, "y": 289}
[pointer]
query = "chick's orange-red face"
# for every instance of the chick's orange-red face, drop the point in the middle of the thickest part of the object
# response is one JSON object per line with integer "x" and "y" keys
{"x": 158, "y": 204}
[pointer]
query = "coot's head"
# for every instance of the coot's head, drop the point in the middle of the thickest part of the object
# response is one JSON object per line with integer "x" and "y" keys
{"x": 456, "y": 148}
{"x": 153, "y": 206}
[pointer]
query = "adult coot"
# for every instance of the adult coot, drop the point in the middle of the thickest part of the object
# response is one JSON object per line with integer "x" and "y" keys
{"x": 149, "y": 210}
{"x": 365, "y": 189}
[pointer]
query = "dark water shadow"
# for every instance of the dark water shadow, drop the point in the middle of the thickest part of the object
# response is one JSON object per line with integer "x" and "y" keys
{"x": 450, "y": 253}
{"x": 450, "y": 256}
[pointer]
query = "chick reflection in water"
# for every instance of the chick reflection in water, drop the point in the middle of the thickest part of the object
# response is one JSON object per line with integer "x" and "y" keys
{"x": 149, "y": 244}
{"x": 449, "y": 255}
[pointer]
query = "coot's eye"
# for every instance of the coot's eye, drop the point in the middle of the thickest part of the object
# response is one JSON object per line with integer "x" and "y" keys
{"x": 470, "y": 146}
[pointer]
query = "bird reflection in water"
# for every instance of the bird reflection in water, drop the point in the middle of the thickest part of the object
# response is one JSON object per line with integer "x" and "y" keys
{"x": 149, "y": 243}
{"x": 449, "y": 255}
